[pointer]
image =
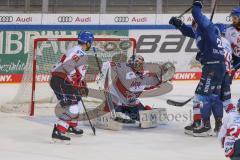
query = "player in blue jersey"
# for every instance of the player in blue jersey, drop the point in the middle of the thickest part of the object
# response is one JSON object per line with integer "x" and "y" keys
{"x": 207, "y": 94}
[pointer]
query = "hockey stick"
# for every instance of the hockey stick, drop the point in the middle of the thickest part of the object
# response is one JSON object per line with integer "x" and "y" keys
{"x": 214, "y": 9}
{"x": 112, "y": 110}
{"x": 108, "y": 96}
{"x": 178, "y": 104}
{"x": 93, "y": 128}
{"x": 187, "y": 10}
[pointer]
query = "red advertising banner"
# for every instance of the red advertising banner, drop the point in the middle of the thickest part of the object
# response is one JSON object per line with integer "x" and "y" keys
{"x": 16, "y": 78}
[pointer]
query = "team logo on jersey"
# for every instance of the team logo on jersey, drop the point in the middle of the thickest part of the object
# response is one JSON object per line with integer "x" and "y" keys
{"x": 130, "y": 75}
{"x": 80, "y": 52}
{"x": 136, "y": 86}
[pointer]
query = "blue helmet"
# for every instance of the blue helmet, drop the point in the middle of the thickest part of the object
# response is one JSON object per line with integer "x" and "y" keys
{"x": 221, "y": 28}
{"x": 85, "y": 37}
{"x": 236, "y": 12}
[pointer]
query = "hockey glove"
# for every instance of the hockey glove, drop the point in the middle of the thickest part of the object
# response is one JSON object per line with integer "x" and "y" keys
{"x": 229, "y": 108}
{"x": 176, "y": 22}
{"x": 167, "y": 71}
{"x": 83, "y": 91}
{"x": 198, "y": 3}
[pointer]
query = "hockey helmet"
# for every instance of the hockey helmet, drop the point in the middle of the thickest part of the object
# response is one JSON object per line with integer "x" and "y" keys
{"x": 86, "y": 37}
{"x": 235, "y": 13}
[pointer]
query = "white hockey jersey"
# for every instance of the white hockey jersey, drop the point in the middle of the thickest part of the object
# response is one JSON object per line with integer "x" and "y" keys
{"x": 233, "y": 36}
{"x": 127, "y": 86}
{"x": 230, "y": 132}
{"x": 73, "y": 62}
{"x": 227, "y": 53}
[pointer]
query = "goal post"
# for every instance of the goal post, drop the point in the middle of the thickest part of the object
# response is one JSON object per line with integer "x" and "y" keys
{"x": 43, "y": 54}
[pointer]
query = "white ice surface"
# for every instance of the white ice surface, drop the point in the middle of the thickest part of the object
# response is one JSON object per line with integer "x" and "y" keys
{"x": 28, "y": 138}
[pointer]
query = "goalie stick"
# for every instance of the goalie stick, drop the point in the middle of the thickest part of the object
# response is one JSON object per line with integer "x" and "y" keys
{"x": 108, "y": 95}
{"x": 178, "y": 104}
{"x": 111, "y": 105}
{"x": 111, "y": 108}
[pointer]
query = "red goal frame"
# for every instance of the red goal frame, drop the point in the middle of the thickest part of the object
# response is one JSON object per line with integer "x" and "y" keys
{"x": 62, "y": 39}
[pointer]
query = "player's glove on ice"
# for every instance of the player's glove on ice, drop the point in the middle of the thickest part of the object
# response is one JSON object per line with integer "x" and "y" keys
{"x": 198, "y": 3}
{"x": 176, "y": 22}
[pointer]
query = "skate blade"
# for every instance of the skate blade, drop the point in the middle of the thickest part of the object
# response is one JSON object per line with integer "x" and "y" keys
{"x": 215, "y": 134}
{"x": 58, "y": 141}
{"x": 206, "y": 134}
{"x": 188, "y": 132}
{"x": 74, "y": 135}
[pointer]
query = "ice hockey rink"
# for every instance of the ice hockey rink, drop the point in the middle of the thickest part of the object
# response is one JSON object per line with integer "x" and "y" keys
{"x": 34, "y": 34}
{"x": 28, "y": 138}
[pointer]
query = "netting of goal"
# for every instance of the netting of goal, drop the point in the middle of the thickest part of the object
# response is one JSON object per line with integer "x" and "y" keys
{"x": 34, "y": 95}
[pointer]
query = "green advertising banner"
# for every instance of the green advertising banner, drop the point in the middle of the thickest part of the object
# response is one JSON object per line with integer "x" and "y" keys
{"x": 16, "y": 45}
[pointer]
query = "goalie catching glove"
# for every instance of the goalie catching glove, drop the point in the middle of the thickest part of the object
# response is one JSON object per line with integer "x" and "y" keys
{"x": 166, "y": 72}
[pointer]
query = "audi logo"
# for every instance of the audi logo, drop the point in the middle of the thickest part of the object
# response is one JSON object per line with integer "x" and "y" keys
{"x": 65, "y": 19}
{"x": 6, "y": 18}
{"x": 121, "y": 19}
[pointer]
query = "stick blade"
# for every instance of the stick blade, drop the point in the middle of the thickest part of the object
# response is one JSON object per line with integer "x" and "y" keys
{"x": 175, "y": 103}
{"x": 178, "y": 104}
{"x": 94, "y": 131}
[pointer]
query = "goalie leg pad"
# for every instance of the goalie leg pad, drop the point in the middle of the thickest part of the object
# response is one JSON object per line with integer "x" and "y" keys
{"x": 105, "y": 122}
{"x": 152, "y": 118}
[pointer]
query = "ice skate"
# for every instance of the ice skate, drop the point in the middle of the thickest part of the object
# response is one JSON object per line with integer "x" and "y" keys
{"x": 57, "y": 136}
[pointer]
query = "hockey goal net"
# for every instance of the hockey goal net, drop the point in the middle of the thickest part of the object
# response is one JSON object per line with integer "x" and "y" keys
{"x": 34, "y": 94}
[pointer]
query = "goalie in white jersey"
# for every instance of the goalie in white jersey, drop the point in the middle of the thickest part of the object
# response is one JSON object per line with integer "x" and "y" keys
{"x": 68, "y": 84}
{"x": 129, "y": 80}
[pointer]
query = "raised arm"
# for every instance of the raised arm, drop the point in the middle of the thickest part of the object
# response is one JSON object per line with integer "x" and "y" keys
{"x": 186, "y": 30}
{"x": 202, "y": 21}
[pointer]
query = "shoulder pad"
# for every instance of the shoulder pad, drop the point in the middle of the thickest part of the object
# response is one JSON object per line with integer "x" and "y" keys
{"x": 77, "y": 49}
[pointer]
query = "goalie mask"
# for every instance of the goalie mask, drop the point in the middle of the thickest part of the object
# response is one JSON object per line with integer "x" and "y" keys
{"x": 137, "y": 62}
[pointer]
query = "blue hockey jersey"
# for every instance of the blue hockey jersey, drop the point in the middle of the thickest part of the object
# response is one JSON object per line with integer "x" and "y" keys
{"x": 207, "y": 37}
